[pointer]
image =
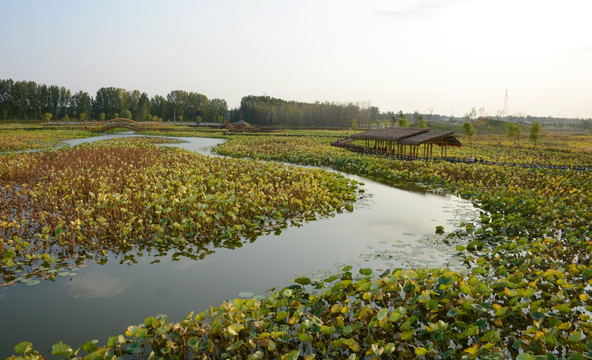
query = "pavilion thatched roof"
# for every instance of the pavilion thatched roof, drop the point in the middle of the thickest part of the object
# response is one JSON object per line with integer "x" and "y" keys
{"x": 388, "y": 134}
{"x": 410, "y": 136}
{"x": 440, "y": 137}
{"x": 240, "y": 123}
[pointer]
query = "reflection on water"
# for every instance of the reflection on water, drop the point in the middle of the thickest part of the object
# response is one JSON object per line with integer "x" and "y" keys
{"x": 95, "y": 285}
{"x": 389, "y": 228}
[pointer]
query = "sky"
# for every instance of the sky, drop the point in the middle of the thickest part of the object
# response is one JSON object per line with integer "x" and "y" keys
{"x": 440, "y": 56}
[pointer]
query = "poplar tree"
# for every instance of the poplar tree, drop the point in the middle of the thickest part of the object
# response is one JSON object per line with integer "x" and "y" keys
{"x": 469, "y": 130}
{"x": 535, "y": 132}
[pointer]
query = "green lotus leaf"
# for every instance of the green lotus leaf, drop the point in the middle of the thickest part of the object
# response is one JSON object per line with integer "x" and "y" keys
{"x": 302, "y": 281}
{"x": 61, "y": 349}
{"x": 23, "y": 348}
{"x": 365, "y": 271}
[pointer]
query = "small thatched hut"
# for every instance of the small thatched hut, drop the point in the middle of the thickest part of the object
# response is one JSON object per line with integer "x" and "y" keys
{"x": 240, "y": 125}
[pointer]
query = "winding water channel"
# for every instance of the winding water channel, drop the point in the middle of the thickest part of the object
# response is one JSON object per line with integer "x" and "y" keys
{"x": 388, "y": 228}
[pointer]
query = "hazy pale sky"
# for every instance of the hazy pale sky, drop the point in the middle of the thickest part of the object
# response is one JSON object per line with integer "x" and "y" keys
{"x": 445, "y": 55}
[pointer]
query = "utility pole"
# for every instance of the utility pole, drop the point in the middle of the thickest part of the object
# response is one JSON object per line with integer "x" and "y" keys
{"x": 506, "y": 104}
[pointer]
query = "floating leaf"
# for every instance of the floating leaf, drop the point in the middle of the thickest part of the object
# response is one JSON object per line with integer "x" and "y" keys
{"x": 23, "y": 347}
{"x": 302, "y": 281}
{"x": 90, "y": 346}
{"x": 366, "y": 272}
{"x": 61, "y": 349}
{"x": 246, "y": 294}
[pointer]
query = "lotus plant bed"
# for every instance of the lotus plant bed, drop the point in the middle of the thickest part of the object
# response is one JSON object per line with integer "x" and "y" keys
{"x": 61, "y": 208}
{"x": 11, "y": 140}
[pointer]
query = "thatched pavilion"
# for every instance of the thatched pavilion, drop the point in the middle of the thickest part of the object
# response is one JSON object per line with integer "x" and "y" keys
{"x": 416, "y": 142}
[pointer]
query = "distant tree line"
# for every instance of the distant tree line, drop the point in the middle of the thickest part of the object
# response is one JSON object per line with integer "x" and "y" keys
{"x": 27, "y": 100}
{"x": 269, "y": 111}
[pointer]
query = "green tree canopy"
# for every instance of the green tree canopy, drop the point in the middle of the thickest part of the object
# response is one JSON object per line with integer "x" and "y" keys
{"x": 469, "y": 130}
{"x": 125, "y": 113}
{"x": 143, "y": 112}
{"x": 402, "y": 120}
{"x": 269, "y": 111}
{"x": 535, "y": 132}
{"x": 217, "y": 108}
{"x": 418, "y": 118}
{"x": 514, "y": 133}
{"x": 24, "y": 100}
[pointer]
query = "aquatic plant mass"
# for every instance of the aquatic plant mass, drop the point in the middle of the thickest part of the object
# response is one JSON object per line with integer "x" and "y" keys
{"x": 525, "y": 294}
{"x": 61, "y": 208}
{"x": 25, "y": 139}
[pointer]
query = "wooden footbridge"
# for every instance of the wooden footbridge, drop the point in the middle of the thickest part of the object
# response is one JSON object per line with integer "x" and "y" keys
{"x": 121, "y": 123}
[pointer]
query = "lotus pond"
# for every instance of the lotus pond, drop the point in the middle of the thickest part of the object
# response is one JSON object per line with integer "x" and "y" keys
{"x": 98, "y": 236}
